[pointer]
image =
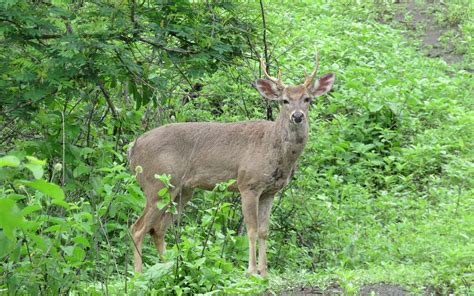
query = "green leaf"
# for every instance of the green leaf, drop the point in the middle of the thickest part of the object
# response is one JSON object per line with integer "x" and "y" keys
{"x": 136, "y": 95}
{"x": 36, "y": 169}
{"x": 166, "y": 179}
{"x": 61, "y": 203}
{"x": 73, "y": 254}
{"x": 9, "y": 3}
{"x": 9, "y": 161}
{"x": 172, "y": 209}
{"x": 47, "y": 188}
{"x": 6, "y": 245}
{"x": 82, "y": 240}
{"x": 80, "y": 170}
{"x": 158, "y": 270}
{"x": 16, "y": 196}
{"x": 161, "y": 204}
{"x": 375, "y": 107}
{"x": 206, "y": 219}
{"x": 67, "y": 250}
{"x": 147, "y": 93}
{"x": 35, "y": 160}
{"x": 30, "y": 209}
{"x": 53, "y": 228}
{"x": 200, "y": 262}
{"x": 11, "y": 217}
{"x": 40, "y": 241}
{"x": 162, "y": 191}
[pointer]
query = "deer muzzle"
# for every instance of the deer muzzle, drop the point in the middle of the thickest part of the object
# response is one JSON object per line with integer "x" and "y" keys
{"x": 297, "y": 117}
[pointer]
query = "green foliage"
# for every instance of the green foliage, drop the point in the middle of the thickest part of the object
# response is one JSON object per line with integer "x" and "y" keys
{"x": 204, "y": 261}
{"x": 130, "y": 47}
{"x": 56, "y": 238}
{"x": 383, "y": 192}
{"x": 377, "y": 184}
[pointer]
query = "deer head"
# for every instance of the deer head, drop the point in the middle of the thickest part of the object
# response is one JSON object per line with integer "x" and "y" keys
{"x": 295, "y": 100}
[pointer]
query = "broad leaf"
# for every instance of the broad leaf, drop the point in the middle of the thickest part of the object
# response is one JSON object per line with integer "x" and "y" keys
{"x": 10, "y": 218}
{"x": 9, "y": 161}
{"x": 47, "y": 188}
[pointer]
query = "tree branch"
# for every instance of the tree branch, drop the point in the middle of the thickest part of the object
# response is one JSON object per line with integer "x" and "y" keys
{"x": 267, "y": 62}
{"x": 108, "y": 99}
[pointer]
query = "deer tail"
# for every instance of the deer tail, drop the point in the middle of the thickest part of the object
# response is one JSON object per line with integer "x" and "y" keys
{"x": 130, "y": 152}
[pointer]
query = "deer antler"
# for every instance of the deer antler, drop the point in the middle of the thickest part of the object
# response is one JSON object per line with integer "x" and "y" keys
{"x": 309, "y": 78}
{"x": 277, "y": 81}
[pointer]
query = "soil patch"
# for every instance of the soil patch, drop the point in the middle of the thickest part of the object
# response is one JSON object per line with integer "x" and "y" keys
{"x": 419, "y": 17}
{"x": 303, "y": 291}
{"x": 376, "y": 289}
{"x": 382, "y": 289}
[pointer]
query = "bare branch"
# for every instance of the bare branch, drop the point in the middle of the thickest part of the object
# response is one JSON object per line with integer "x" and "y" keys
{"x": 108, "y": 99}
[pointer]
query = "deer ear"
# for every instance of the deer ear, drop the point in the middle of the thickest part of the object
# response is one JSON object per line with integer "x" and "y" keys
{"x": 322, "y": 85}
{"x": 268, "y": 89}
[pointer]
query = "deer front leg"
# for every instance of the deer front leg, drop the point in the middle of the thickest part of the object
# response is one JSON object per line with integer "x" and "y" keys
{"x": 264, "y": 210}
{"x": 250, "y": 211}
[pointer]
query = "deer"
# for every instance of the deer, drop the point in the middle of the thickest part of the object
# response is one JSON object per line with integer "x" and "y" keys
{"x": 259, "y": 155}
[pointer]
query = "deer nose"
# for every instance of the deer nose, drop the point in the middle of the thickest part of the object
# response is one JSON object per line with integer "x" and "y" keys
{"x": 297, "y": 117}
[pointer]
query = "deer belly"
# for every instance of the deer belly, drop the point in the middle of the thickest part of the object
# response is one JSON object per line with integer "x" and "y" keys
{"x": 207, "y": 178}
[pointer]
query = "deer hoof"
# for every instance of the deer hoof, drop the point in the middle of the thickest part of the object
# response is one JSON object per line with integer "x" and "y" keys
{"x": 251, "y": 272}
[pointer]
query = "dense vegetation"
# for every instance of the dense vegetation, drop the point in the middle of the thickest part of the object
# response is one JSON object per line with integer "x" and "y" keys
{"x": 383, "y": 193}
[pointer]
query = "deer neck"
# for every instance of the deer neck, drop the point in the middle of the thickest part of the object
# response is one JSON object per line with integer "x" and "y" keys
{"x": 291, "y": 138}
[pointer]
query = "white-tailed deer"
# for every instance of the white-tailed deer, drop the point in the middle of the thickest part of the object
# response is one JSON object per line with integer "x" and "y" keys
{"x": 259, "y": 155}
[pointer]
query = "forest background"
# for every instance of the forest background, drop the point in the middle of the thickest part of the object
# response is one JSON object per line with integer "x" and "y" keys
{"x": 383, "y": 192}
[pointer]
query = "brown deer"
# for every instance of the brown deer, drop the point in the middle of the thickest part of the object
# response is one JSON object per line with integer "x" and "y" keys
{"x": 259, "y": 155}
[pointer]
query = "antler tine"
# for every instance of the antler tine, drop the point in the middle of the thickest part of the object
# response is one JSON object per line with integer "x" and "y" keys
{"x": 309, "y": 78}
{"x": 278, "y": 80}
{"x": 305, "y": 72}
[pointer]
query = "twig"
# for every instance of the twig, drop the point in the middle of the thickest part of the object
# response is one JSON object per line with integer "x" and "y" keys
{"x": 108, "y": 242}
{"x": 117, "y": 124}
{"x": 108, "y": 99}
{"x": 181, "y": 72}
{"x": 267, "y": 62}
{"x": 64, "y": 150}
{"x": 168, "y": 49}
{"x": 133, "y": 6}
{"x": 212, "y": 223}
{"x": 89, "y": 121}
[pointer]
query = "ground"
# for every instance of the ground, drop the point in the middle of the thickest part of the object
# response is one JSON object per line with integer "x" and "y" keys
{"x": 419, "y": 18}
{"x": 375, "y": 289}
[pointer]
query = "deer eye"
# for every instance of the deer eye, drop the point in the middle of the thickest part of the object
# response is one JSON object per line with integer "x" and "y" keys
{"x": 286, "y": 102}
{"x": 306, "y": 100}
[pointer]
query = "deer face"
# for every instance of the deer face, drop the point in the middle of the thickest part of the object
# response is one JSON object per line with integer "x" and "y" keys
{"x": 295, "y": 100}
{"x": 295, "y": 103}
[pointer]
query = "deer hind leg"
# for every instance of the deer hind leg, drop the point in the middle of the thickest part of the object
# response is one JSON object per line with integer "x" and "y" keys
{"x": 162, "y": 223}
{"x": 158, "y": 232}
{"x": 264, "y": 210}
{"x": 143, "y": 226}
